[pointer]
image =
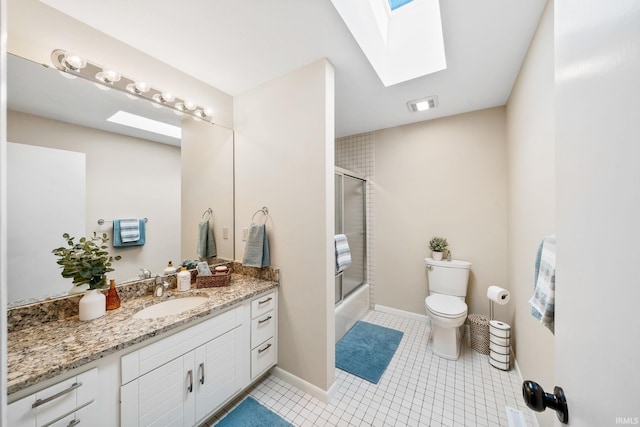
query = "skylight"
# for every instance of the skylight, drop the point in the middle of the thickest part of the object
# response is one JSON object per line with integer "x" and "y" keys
{"x": 143, "y": 123}
{"x": 402, "y": 39}
{"x": 394, "y": 4}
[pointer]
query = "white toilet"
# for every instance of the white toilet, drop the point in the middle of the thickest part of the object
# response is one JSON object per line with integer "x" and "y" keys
{"x": 445, "y": 304}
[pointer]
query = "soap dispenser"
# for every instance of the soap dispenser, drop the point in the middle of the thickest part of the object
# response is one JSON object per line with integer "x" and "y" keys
{"x": 170, "y": 269}
{"x": 184, "y": 280}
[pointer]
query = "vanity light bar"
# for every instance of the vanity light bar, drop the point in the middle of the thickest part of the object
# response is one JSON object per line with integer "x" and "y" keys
{"x": 75, "y": 65}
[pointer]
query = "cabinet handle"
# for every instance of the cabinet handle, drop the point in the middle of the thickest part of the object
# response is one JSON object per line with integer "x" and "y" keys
{"x": 57, "y": 395}
{"x": 264, "y": 301}
{"x": 260, "y": 350}
{"x": 201, "y": 368}
{"x": 190, "y": 375}
{"x": 264, "y": 320}
{"x": 73, "y": 423}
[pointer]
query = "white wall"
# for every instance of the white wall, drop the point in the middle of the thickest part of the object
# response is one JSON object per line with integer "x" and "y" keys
{"x": 443, "y": 177}
{"x": 532, "y": 200}
{"x": 284, "y": 161}
{"x": 207, "y": 182}
{"x": 150, "y": 188}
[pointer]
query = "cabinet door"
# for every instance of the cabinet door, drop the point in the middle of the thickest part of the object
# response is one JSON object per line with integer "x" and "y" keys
{"x": 219, "y": 371}
{"x": 158, "y": 398}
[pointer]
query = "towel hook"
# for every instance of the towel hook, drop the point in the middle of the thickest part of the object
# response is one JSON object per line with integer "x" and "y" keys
{"x": 264, "y": 210}
{"x": 209, "y": 212}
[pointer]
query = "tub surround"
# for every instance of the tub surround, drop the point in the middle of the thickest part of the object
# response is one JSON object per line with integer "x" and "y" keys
{"x": 54, "y": 343}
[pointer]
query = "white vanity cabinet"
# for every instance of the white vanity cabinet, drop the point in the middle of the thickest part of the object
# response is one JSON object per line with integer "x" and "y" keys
{"x": 264, "y": 324}
{"x": 71, "y": 402}
{"x": 183, "y": 378}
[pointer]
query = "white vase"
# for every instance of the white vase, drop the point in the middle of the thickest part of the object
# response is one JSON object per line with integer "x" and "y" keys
{"x": 436, "y": 255}
{"x": 92, "y": 305}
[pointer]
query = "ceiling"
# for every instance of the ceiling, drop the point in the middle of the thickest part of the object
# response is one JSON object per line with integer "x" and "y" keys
{"x": 237, "y": 45}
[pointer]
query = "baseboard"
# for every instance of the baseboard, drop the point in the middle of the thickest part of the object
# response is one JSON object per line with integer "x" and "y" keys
{"x": 315, "y": 391}
{"x": 403, "y": 313}
{"x": 517, "y": 368}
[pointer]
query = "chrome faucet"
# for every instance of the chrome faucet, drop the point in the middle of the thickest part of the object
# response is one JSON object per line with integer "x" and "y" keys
{"x": 161, "y": 286}
{"x": 146, "y": 274}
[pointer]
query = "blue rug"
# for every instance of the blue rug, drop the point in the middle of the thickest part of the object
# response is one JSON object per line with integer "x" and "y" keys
{"x": 366, "y": 350}
{"x": 250, "y": 413}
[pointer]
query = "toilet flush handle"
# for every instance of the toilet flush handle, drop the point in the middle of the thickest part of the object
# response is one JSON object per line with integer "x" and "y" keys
{"x": 429, "y": 267}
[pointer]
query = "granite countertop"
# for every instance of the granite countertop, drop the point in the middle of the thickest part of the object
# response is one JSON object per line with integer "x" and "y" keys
{"x": 42, "y": 352}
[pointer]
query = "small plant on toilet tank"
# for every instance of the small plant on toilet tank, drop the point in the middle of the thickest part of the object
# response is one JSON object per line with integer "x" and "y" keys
{"x": 438, "y": 245}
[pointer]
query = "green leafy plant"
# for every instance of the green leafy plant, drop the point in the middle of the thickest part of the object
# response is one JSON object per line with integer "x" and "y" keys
{"x": 438, "y": 244}
{"x": 86, "y": 261}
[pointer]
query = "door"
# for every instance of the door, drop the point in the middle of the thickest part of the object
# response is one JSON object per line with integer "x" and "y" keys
{"x": 350, "y": 205}
{"x": 597, "y": 61}
{"x": 354, "y": 227}
{"x": 217, "y": 371}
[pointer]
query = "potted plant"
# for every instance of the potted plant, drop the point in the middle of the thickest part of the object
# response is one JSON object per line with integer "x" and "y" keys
{"x": 87, "y": 263}
{"x": 438, "y": 245}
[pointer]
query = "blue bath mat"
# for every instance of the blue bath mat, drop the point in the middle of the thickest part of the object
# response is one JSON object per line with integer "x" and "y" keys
{"x": 366, "y": 350}
{"x": 250, "y": 413}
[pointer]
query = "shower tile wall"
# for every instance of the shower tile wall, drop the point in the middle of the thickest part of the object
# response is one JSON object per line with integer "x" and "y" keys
{"x": 357, "y": 154}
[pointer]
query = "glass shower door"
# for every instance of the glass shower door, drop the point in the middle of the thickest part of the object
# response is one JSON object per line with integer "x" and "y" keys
{"x": 351, "y": 221}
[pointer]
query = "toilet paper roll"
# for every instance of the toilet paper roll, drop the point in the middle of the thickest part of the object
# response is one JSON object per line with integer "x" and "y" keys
{"x": 498, "y": 295}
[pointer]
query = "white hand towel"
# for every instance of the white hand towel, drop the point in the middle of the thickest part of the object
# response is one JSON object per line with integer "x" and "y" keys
{"x": 343, "y": 253}
{"x": 129, "y": 230}
{"x": 543, "y": 299}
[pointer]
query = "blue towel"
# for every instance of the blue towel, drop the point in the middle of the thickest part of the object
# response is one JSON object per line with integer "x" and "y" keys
{"x": 117, "y": 233}
{"x": 206, "y": 244}
{"x": 256, "y": 252}
{"x": 343, "y": 253}
{"x": 543, "y": 299}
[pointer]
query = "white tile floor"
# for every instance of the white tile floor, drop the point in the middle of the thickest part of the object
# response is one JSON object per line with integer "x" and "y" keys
{"x": 417, "y": 389}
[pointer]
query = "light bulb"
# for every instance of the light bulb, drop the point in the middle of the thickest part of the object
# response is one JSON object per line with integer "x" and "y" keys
{"x": 108, "y": 76}
{"x": 74, "y": 61}
{"x": 138, "y": 87}
{"x": 164, "y": 97}
{"x": 168, "y": 96}
{"x": 190, "y": 105}
{"x": 180, "y": 106}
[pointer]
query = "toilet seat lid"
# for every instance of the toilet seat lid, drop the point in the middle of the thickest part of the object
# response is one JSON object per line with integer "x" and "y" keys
{"x": 446, "y": 305}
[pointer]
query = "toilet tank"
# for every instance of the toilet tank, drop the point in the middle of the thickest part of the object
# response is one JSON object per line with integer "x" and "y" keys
{"x": 448, "y": 277}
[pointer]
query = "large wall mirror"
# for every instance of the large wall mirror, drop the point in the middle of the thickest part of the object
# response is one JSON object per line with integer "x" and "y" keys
{"x": 69, "y": 167}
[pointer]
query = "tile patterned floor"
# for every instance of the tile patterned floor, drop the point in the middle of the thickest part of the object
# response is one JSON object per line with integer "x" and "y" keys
{"x": 417, "y": 389}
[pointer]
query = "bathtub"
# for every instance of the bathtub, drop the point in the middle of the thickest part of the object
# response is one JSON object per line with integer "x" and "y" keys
{"x": 351, "y": 309}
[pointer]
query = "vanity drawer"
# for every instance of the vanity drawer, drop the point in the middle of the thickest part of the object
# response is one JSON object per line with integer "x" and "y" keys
{"x": 263, "y": 357}
{"x": 263, "y": 304}
{"x": 56, "y": 405}
{"x": 263, "y": 328}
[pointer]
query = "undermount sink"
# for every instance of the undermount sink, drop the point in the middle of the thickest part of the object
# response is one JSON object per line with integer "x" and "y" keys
{"x": 170, "y": 307}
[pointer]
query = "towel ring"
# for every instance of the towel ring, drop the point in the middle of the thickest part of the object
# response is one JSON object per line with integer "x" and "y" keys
{"x": 264, "y": 210}
{"x": 209, "y": 212}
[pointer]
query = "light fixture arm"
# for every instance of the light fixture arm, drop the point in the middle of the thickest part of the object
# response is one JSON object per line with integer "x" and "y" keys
{"x": 83, "y": 68}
